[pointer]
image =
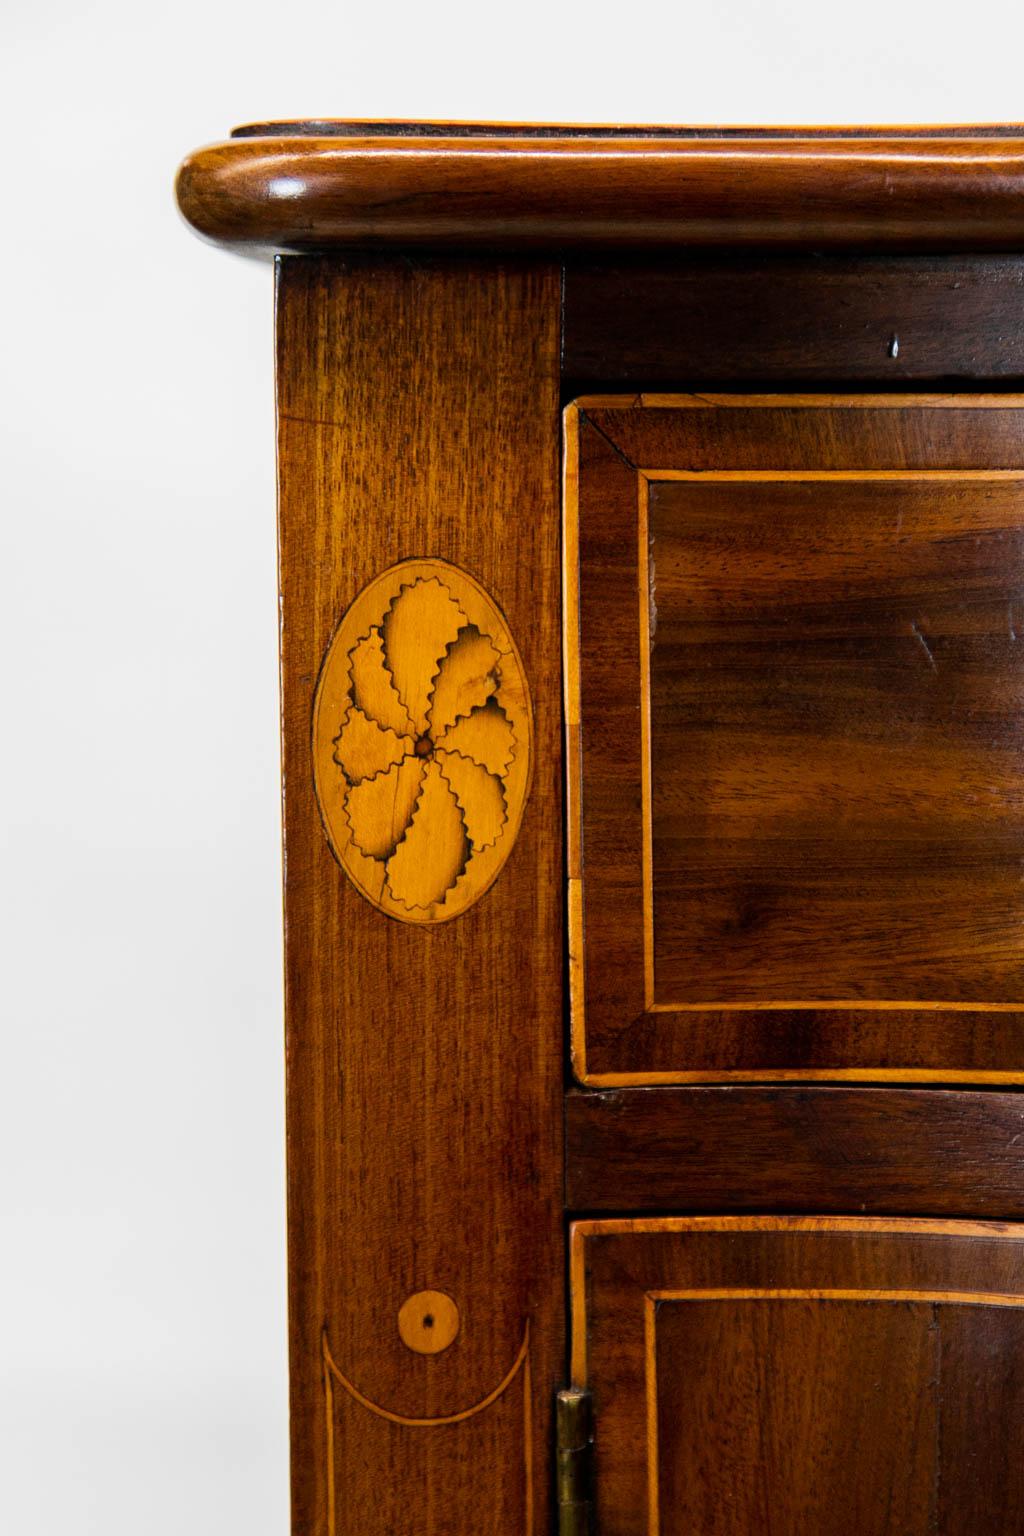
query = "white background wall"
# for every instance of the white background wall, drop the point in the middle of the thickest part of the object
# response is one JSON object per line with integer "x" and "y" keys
{"x": 142, "y": 1331}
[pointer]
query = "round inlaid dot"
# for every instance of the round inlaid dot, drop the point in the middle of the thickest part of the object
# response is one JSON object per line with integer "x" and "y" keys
{"x": 428, "y": 1322}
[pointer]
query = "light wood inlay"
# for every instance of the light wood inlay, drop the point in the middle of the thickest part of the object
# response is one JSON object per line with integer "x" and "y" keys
{"x": 422, "y": 742}
{"x": 520, "y": 1367}
{"x": 428, "y": 1322}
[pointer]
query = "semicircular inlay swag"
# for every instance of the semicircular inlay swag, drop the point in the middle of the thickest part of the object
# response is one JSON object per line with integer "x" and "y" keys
{"x": 422, "y": 741}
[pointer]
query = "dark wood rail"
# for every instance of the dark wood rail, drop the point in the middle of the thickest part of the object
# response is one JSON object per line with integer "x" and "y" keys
{"x": 876, "y": 1151}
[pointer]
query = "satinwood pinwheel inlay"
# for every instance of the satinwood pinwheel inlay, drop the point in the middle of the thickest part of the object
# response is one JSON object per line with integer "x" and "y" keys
{"x": 422, "y": 741}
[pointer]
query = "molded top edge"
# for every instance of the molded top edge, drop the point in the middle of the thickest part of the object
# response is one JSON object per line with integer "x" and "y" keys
{"x": 551, "y": 190}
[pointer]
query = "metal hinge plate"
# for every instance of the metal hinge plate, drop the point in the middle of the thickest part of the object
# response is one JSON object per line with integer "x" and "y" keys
{"x": 575, "y": 1440}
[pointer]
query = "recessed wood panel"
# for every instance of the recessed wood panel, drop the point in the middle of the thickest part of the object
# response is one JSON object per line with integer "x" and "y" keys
{"x": 824, "y": 1416}
{"x": 834, "y": 736}
{"x": 799, "y": 697}
{"x": 811, "y": 1377}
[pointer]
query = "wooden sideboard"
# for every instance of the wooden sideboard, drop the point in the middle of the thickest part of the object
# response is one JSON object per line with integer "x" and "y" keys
{"x": 652, "y": 651}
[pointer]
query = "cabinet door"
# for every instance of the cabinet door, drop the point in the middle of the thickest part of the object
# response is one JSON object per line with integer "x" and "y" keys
{"x": 796, "y": 710}
{"x": 802, "y": 1376}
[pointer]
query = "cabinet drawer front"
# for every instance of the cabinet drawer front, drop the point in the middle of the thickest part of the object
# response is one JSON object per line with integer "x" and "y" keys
{"x": 796, "y": 708}
{"x": 807, "y": 1376}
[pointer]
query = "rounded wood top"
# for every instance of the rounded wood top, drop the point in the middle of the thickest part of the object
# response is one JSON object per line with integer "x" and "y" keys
{"x": 317, "y": 185}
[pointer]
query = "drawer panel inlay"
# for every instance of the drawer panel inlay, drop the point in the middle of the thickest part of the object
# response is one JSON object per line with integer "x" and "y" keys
{"x": 817, "y": 1376}
{"x": 796, "y": 730}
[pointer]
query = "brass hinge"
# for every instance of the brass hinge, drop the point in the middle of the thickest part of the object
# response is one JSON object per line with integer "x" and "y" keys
{"x": 575, "y": 1431}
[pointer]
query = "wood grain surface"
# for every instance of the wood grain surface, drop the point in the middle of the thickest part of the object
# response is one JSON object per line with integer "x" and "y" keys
{"x": 875, "y": 189}
{"x": 743, "y": 321}
{"x": 812, "y": 1377}
{"x": 836, "y": 696}
{"x": 800, "y": 689}
{"x": 791, "y": 648}
{"x": 879, "y": 1151}
{"x": 418, "y": 410}
{"x": 842, "y": 1416}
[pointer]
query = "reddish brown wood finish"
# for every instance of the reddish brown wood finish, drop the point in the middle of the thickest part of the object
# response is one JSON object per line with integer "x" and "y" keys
{"x": 418, "y": 397}
{"x": 878, "y": 1151}
{"x": 868, "y": 1426}
{"x": 569, "y": 191}
{"x": 779, "y": 321}
{"x": 816, "y": 1377}
{"x": 800, "y": 792}
{"x": 835, "y": 700}
{"x": 418, "y": 409}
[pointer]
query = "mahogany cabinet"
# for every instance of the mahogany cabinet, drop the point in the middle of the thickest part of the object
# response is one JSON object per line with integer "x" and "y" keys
{"x": 652, "y": 649}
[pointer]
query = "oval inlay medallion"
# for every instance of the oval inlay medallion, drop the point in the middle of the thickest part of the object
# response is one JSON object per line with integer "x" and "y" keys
{"x": 422, "y": 732}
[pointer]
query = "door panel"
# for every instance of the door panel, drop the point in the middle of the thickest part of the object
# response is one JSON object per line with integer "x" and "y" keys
{"x": 796, "y": 698}
{"x": 802, "y": 1376}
